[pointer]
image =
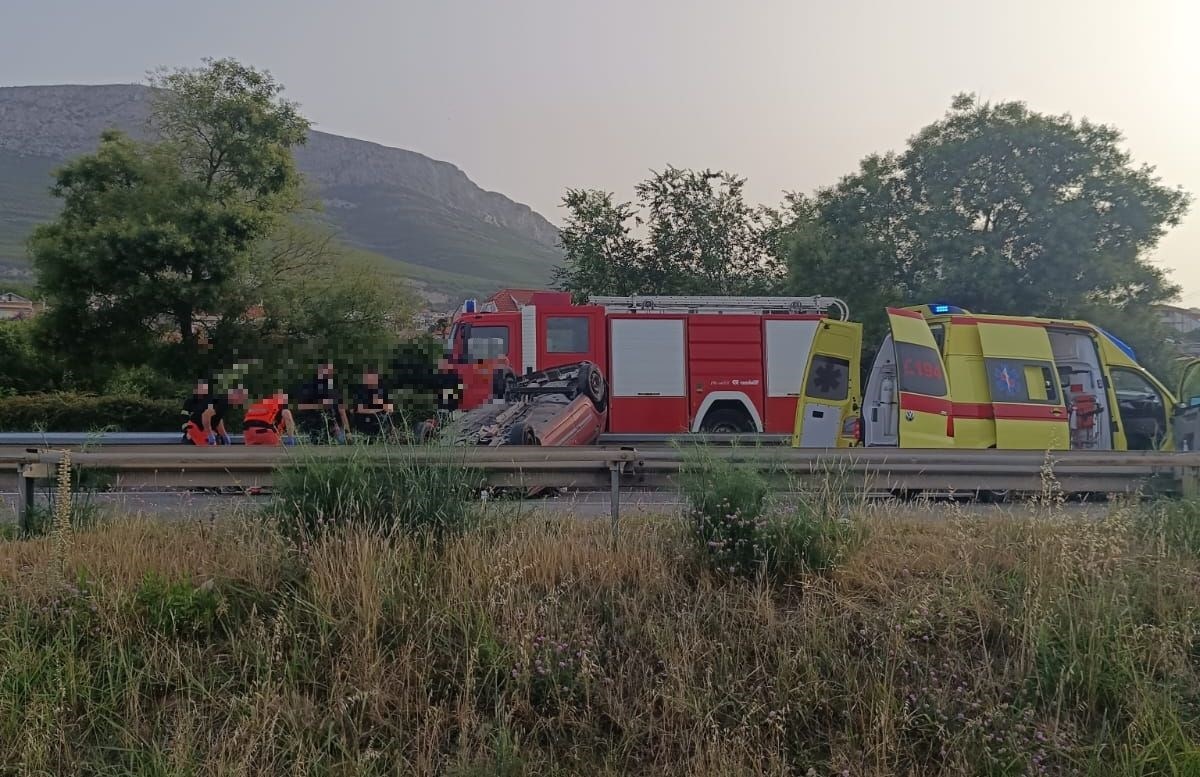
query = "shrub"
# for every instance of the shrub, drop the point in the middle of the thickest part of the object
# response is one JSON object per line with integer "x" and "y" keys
{"x": 381, "y": 493}
{"x": 66, "y": 412}
{"x": 742, "y": 530}
{"x": 143, "y": 381}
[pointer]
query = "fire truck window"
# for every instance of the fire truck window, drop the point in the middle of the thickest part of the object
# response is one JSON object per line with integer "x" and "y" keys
{"x": 920, "y": 370}
{"x": 1022, "y": 381}
{"x": 487, "y": 342}
{"x": 828, "y": 378}
{"x": 566, "y": 334}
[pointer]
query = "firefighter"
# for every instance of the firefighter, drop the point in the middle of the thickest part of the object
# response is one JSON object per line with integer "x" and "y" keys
{"x": 270, "y": 422}
{"x": 371, "y": 411}
{"x": 319, "y": 411}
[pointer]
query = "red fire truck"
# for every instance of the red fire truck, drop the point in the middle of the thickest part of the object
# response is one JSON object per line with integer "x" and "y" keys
{"x": 677, "y": 364}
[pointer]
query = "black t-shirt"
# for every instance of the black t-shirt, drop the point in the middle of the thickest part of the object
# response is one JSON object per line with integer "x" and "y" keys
{"x": 196, "y": 404}
{"x": 372, "y": 399}
{"x": 318, "y": 391}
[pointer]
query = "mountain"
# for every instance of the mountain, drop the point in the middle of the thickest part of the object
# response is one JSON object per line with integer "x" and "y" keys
{"x": 443, "y": 231}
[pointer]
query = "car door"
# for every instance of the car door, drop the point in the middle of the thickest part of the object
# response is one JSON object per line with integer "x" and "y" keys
{"x": 1027, "y": 401}
{"x": 1187, "y": 410}
{"x": 827, "y": 409}
{"x": 924, "y": 404}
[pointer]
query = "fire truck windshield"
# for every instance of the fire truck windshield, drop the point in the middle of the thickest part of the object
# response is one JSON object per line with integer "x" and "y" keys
{"x": 486, "y": 342}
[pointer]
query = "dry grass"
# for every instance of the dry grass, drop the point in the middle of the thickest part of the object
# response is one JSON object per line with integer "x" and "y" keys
{"x": 965, "y": 646}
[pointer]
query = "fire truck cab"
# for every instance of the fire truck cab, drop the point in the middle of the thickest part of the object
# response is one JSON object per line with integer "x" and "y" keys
{"x": 945, "y": 377}
{"x": 778, "y": 365}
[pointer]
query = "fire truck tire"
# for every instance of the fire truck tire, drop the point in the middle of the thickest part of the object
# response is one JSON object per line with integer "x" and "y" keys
{"x": 726, "y": 421}
{"x": 521, "y": 434}
{"x": 590, "y": 383}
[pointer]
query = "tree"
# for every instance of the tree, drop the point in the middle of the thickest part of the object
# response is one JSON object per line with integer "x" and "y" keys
{"x": 152, "y": 235}
{"x": 701, "y": 238}
{"x": 995, "y": 208}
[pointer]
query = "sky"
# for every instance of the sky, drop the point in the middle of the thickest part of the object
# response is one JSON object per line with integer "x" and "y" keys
{"x": 530, "y": 97}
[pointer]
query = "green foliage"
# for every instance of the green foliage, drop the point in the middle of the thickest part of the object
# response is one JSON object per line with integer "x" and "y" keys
{"x": 742, "y": 530}
{"x": 153, "y": 236}
{"x": 25, "y": 368}
{"x": 177, "y": 607}
{"x": 143, "y": 381}
{"x": 999, "y": 209}
{"x": 68, "y": 412}
{"x": 702, "y": 238}
{"x": 387, "y": 494}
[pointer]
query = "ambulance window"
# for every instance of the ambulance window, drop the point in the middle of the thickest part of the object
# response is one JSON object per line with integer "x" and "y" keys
{"x": 487, "y": 342}
{"x": 920, "y": 370}
{"x": 939, "y": 335}
{"x": 1142, "y": 409}
{"x": 1025, "y": 382}
{"x": 828, "y": 378}
{"x": 566, "y": 334}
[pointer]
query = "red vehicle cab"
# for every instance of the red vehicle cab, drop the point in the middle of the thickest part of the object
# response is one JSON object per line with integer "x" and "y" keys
{"x": 673, "y": 364}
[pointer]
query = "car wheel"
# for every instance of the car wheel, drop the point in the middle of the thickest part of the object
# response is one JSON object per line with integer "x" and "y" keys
{"x": 521, "y": 434}
{"x": 590, "y": 383}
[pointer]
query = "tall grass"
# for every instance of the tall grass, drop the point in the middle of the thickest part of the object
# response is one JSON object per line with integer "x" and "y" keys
{"x": 382, "y": 494}
{"x": 1028, "y": 644}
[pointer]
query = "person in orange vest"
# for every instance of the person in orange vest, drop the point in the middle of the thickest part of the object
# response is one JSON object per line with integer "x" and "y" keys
{"x": 270, "y": 422}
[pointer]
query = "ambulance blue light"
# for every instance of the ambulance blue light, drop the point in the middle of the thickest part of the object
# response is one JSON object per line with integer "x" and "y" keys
{"x": 469, "y": 306}
{"x": 939, "y": 309}
{"x": 1126, "y": 349}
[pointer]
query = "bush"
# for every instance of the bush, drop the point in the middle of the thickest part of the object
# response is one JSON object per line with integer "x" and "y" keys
{"x": 143, "y": 381}
{"x": 742, "y": 530}
{"x": 66, "y": 412}
{"x": 382, "y": 494}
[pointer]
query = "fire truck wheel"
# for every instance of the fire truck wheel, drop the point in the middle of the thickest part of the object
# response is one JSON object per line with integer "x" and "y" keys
{"x": 591, "y": 385}
{"x": 727, "y": 422}
{"x": 521, "y": 434}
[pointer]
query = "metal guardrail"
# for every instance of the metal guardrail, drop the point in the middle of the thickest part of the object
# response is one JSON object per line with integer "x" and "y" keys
{"x": 107, "y": 439}
{"x": 871, "y": 469}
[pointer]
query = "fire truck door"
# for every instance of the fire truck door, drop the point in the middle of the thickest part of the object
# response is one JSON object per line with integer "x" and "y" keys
{"x": 1027, "y": 400}
{"x": 1187, "y": 412}
{"x": 830, "y": 400}
{"x": 648, "y": 375}
{"x": 925, "y": 406}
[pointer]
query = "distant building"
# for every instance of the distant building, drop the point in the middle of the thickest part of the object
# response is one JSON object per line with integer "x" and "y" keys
{"x": 14, "y": 307}
{"x": 1185, "y": 326}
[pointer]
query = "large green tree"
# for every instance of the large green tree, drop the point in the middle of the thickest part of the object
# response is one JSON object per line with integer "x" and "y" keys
{"x": 996, "y": 208}
{"x": 700, "y": 237}
{"x": 154, "y": 235}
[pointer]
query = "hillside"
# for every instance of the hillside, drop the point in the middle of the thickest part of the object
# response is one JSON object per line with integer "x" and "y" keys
{"x": 446, "y": 233}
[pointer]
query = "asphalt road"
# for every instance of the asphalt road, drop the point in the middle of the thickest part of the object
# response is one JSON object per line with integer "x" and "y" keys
{"x": 593, "y": 504}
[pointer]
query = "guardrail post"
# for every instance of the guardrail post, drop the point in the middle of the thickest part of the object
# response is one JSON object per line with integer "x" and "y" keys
{"x": 614, "y": 498}
{"x": 25, "y": 497}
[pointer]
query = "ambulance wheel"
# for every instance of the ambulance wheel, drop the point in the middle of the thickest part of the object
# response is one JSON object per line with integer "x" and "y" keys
{"x": 727, "y": 422}
{"x": 521, "y": 434}
{"x": 590, "y": 383}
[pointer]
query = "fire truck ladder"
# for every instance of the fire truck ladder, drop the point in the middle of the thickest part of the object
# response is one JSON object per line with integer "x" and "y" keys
{"x": 702, "y": 304}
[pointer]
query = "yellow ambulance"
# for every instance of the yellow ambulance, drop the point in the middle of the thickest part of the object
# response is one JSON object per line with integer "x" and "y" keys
{"x": 945, "y": 377}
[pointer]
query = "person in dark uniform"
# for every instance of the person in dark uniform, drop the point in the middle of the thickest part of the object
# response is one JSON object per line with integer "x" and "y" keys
{"x": 370, "y": 410}
{"x": 320, "y": 413}
{"x": 206, "y": 410}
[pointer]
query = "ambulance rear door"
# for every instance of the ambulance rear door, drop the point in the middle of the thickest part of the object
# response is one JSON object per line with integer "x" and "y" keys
{"x": 1027, "y": 401}
{"x": 924, "y": 403}
{"x": 827, "y": 410}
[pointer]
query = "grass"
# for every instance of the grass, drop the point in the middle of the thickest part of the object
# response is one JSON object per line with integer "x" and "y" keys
{"x": 1026, "y": 644}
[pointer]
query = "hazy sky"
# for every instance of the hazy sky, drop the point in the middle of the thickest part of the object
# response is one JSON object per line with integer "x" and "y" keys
{"x": 529, "y": 97}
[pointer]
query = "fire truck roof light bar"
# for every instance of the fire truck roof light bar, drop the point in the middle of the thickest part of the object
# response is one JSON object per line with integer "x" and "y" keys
{"x": 762, "y": 305}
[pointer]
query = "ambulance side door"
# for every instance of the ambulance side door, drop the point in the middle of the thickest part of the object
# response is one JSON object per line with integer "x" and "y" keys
{"x": 828, "y": 407}
{"x": 1027, "y": 400}
{"x": 925, "y": 403}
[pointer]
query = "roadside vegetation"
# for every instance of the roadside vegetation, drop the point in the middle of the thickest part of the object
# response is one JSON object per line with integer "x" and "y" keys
{"x": 750, "y": 635}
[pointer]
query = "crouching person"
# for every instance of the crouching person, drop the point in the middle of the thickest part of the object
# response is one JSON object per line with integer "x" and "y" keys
{"x": 269, "y": 422}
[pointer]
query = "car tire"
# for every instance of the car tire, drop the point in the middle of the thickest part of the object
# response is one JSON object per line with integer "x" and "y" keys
{"x": 590, "y": 383}
{"x": 521, "y": 434}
